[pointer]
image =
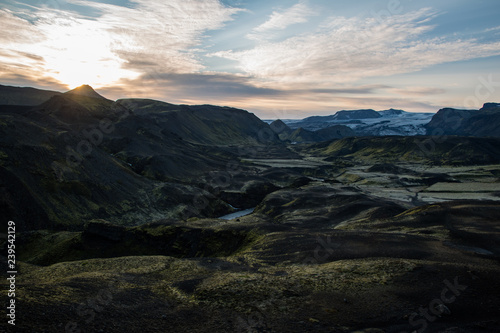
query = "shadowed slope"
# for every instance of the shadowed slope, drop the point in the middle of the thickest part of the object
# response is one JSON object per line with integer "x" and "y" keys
{"x": 24, "y": 95}
{"x": 436, "y": 150}
{"x": 81, "y": 156}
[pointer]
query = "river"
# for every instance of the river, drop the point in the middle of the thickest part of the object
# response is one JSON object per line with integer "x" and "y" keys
{"x": 237, "y": 214}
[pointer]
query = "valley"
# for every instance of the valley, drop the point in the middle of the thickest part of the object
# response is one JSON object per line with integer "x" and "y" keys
{"x": 351, "y": 234}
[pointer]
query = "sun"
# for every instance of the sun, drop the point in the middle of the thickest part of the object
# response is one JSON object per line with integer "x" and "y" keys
{"x": 92, "y": 69}
{"x": 82, "y": 53}
{"x": 74, "y": 73}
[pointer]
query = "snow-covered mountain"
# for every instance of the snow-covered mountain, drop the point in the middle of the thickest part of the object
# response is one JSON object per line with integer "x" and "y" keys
{"x": 369, "y": 122}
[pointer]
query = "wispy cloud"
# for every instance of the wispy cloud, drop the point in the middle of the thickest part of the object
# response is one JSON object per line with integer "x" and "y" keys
{"x": 497, "y": 28}
{"x": 162, "y": 33}
{"x": 24, "y": 31}
{"x": 349, "y": 49}
{"x": 233, "y": 86}
{"x": 298, "y": 13}
{"x": 419, "y": 91}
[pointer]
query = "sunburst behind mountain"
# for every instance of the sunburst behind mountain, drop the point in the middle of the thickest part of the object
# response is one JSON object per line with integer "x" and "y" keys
{"x": 85, "y": 90}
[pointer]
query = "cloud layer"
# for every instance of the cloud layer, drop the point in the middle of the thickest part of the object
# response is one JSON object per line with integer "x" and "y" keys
{"x": 301, "y": 57}
{"x": 345, "y": 50}
{"x": 122, "y": 43}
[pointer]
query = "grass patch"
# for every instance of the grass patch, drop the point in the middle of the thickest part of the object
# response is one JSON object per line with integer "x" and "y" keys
{"x": 416, "y": 210}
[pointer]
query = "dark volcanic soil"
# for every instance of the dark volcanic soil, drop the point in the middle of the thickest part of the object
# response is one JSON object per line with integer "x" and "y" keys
{"x": 432, "y": 268}
{"x": 352, "y": 235}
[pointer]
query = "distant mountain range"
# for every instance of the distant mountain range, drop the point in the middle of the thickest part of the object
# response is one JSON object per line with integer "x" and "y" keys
{"x": 483, "y": 123}
{"x": 346, "y": 123}
{"x": 367, "y": 122}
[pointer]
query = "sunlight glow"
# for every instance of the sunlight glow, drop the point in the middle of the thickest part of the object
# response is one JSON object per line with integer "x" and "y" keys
{"x": 81, "y": 54}
{"x": 313, "y": 55}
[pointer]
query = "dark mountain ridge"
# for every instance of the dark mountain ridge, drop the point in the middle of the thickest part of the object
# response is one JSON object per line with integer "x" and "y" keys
{"x": 455, "y": 150}
{"x": 483, "y": 122}
{"x": 10, "y": 95}
{"x": 346, "y": 115}
{"x": 203, "y": 124}
{"x": 301, "y": 135}
{"x": 79, "y": 156}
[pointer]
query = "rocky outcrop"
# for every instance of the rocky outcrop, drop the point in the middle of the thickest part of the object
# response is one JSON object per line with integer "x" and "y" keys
{"x": 281, "y": 129}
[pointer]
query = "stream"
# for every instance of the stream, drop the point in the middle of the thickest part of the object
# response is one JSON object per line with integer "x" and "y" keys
{"x": 237, "y": 214}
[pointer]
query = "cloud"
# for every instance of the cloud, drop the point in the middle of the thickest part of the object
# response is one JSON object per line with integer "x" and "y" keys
{"x": 497, "y": 28}
{"x": 24, "y": 31}
{"x": 162, "y": 33}
{"x": 345, "y": 50}
{"x": 298, "y": 13}
{"x": 206, "y": 85}
{"x": 114, "y": 43}
{"x": 158, "y": 49}
{"x": 312, "y": 104}
{"x": 240, "y": 91}
{"x": 362, "y": 90}
{"x": 419, "y": 91}
{"x": 224, "y": 86}
{"x": 17, "y": 78}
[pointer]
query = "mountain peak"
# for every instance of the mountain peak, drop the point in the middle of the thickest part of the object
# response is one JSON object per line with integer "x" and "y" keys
{"x": 356, "y": 114}
{"x": 85, "y": 90}
{"x": 278, "y": 126}
{"x": 490, "y": 106}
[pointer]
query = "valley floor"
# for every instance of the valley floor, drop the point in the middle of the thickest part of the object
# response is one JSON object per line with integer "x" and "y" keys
{"x": 338, "y": 246}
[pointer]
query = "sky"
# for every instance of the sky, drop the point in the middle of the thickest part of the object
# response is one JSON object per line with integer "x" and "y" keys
{"x": 275, "y": 58}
